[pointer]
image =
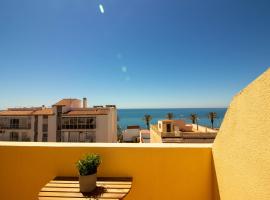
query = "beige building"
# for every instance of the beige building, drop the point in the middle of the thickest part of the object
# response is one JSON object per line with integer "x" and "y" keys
{"x": 66, "y": 121}
{"x": 177, "y": 131}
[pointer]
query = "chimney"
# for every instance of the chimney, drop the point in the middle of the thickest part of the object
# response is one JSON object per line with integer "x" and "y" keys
{"x": 84, "y": 102}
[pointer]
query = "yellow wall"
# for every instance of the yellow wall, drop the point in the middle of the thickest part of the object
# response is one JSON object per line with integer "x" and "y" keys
{"x": 159, "y": 172}
{"x": 242, "y": 147}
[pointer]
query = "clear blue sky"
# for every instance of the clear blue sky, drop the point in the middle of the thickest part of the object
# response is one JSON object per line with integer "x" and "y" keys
{"x": 138, "y": 53}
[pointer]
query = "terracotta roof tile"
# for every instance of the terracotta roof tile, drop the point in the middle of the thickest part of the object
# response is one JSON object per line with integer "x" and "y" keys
{"x": 65, "y": 102}
{"x": 16, "y": 113}
{"x": 46, "y": 111}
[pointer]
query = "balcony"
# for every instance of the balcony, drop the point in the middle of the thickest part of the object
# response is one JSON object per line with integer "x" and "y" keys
{"x": 159, "y": 171}
{"x": 15, "y": 123}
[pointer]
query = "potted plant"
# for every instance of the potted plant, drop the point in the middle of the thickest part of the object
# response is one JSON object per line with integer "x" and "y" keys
{"x": 87, "y": 168}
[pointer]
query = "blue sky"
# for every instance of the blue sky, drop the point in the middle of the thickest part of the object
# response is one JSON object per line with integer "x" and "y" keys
{"x": 136, "y": 54}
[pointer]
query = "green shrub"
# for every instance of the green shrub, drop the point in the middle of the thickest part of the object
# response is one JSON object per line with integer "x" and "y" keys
{"x": 89, "y": 164}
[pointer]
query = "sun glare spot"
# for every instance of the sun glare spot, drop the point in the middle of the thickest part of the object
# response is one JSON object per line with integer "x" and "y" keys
{"x": 124, "y": 69}
{"x": 101, "y": 8}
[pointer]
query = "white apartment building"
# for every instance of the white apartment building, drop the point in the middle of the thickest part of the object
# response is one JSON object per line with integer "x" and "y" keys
{"x": 66, "y": 121}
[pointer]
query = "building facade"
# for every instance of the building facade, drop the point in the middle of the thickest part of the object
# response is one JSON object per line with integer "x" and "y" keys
{"x": 177, "y": 131}
{"x": 69, "y": 120}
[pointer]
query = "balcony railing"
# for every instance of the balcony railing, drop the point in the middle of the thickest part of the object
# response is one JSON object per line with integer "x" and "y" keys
{"x": 16, "y": 126}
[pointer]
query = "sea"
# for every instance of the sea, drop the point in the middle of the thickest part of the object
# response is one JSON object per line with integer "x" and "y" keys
{"x": 135, "y": 116}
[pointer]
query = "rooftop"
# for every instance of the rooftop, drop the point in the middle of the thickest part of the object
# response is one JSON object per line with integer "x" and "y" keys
{"x": 44, "y": 111}
{"x": 65, "y": 102}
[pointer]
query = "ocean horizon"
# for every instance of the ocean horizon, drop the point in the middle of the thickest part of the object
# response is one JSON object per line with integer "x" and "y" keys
{"x": 134, "y": 116}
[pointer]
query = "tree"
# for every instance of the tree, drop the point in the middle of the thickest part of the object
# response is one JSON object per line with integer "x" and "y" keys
{"x": 169, "y": 116}
{"x": 212, "y": 116}
{"x": 147, "y": 119}
{"x": 194, "y": 119}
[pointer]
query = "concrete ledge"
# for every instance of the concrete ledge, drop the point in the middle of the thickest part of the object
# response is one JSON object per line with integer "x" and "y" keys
{"x": 104, "y": 145}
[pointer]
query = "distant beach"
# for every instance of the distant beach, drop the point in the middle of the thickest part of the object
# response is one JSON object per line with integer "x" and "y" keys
{"x": 135, "y": 116}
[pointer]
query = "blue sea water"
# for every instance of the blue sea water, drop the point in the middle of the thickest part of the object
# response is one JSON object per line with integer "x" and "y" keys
{"x": 135, "y": 116}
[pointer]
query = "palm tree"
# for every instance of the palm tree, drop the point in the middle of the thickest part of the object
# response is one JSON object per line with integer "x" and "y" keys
{"x": 169, "y": 116}
{"x": 147, "y": 118}
{"x": 212, "y": 116}
{"x": 194, "y": 119}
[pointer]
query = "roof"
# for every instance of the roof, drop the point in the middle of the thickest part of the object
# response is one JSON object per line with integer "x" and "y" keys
{"x": 27, "y": 112}
{"x": 65, "y": 102}
{"x": 87, "y": 111}
{"x": 25, "y": 109}
{"x": 133, "y": 127}
{"x": 45, "y": 111}
{"x": 16, "y": 112}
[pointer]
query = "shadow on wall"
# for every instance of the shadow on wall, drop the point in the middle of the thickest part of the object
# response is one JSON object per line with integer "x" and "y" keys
{"x": 216, "y": 195}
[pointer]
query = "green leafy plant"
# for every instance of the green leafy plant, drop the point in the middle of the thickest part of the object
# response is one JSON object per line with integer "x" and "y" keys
{"x": 89, "y": 164}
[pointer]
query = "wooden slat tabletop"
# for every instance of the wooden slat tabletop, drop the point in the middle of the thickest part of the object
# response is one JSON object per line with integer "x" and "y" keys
{"x": 67, "y": 188}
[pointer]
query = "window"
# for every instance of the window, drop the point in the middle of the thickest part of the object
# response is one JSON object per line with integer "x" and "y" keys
{"x": 14, "y": 136}
{"x": 78, "y": 123}
{"x": 81, "y": 123}
{"x": 81, "y": 137}
{"x": 25, "y": 137}
{"x": 3, "y": 123}
{"x": 45, "y": 137}
{"x": 45, "y": 127}
{"x": 14, "y": 123}
{"x": 91, "y": 123}
{"x": 73, "y": 137}
{"x": 90, "y": 137}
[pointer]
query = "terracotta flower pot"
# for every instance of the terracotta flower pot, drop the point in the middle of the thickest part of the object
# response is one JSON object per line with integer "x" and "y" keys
{"x": 87, "y": 183}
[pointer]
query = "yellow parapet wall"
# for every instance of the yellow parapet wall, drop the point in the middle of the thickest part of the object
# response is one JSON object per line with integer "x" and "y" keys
{"x": 160, "y": 171}
{"x": 242, "y": 147}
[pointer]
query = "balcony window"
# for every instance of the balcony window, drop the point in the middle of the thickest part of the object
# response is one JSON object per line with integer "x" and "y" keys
{"x": 78, "y": 123}
{"x": 14, "y": 123}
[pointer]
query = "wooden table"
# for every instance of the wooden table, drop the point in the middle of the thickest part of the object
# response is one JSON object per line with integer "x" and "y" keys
{"x": 67, "y": 188}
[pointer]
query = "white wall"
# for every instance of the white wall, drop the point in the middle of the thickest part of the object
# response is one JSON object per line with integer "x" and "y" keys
{"x": 102, "y": 128}
{"x": 52, "y": 128}
{"x": 130, "y": 134}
